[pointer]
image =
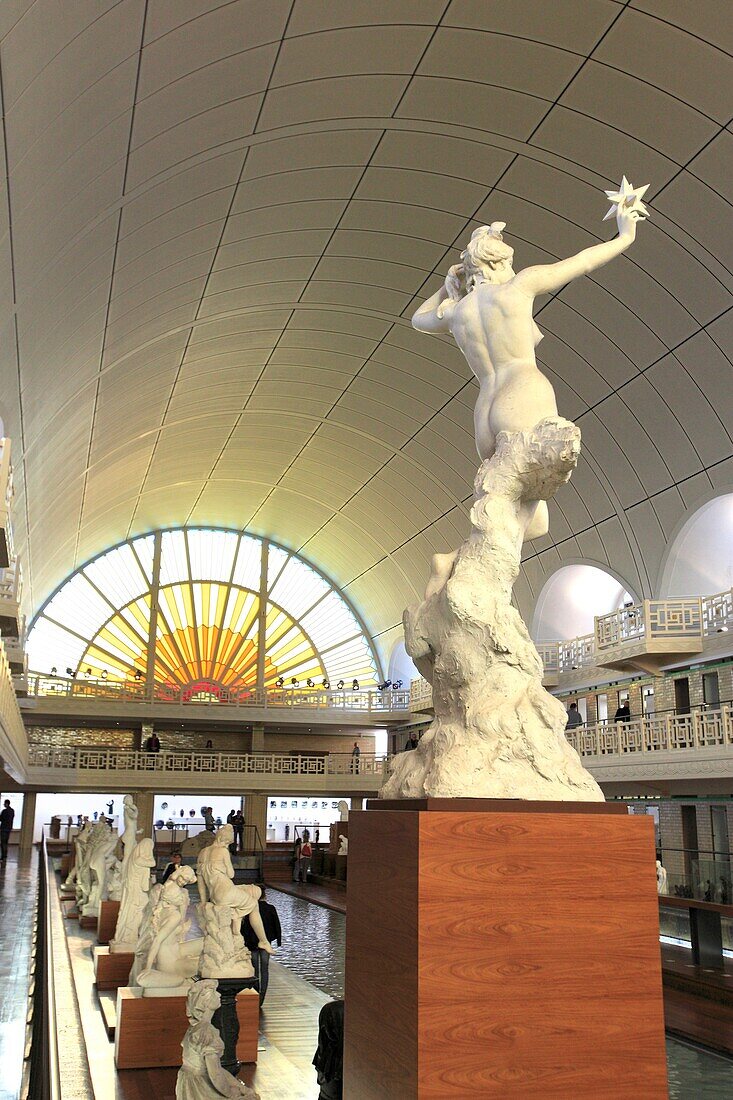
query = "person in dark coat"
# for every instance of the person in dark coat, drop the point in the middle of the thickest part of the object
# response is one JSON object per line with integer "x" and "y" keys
{"x": 6, "y": 827}
{"x": 174, "y": 864}
{"x": 273, "y": 931}
{"x": 329, "y": 1057}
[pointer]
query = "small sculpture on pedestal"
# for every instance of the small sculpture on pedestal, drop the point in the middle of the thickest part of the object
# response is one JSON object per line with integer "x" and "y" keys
{"x": 661, "y": 879}
{"x": 497, "y": 732}
{"x": 201, "y": 1076}
{"x": 215, "y": 871}
{"x": 135, "y": 886}
{"x": 343, "y": 845}
{"x": 145, "y": 936}
{"x": 224, "y": 954}
{"x": 129, "y": 834}
{"x": 90, "y": 879}
{"x": 172, "y": 960}
{"x": 99, "y": 866}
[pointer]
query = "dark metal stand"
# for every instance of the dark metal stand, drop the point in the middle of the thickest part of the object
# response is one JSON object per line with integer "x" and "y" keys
{"x": 225, "y": 1018}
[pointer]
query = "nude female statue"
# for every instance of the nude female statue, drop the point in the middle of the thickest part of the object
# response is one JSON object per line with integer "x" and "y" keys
{"x": 215, "y": 872}
{"x": 487, "y": 308}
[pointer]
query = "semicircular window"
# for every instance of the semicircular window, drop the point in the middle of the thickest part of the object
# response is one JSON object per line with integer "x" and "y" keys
{"x": 183, "y": 609}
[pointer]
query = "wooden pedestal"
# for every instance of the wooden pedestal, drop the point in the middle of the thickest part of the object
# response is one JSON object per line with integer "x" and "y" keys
{"x": 65, "y": 866}
{"x": 111, "y": 971}
{"x": 107, "y": 921}
{"x": 88, "y": 922}
{"x": 150, "y": 1030}
{"x": 518, "y": 953}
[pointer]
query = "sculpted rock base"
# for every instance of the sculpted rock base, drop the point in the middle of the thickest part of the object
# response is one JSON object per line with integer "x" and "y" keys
{"x": 497, "y": 733}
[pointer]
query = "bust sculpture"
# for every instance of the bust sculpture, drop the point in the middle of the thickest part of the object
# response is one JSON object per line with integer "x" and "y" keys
{"x": 201, "y": 1076}
{"x": 496, "y": 732}
{"x": 135, "y": 886}
{"x": 172, "y": 960}
{"x": 215, "y": 872}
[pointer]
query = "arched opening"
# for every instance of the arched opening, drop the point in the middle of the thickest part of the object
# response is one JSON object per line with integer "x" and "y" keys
{"x": 572, "y": 597}
{"x": 700, "y": 559}
{"x": 401, "y": 666}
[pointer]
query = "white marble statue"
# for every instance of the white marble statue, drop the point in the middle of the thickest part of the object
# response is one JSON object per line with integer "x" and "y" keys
{"x": 201, "y": 1077}
{"x": 114, "y": 878}
{"x": 80, "y": 841}
{"x": 224, "y": 954}
{"x": 172, "y": 960}
{"x": 145, "y": 935}
{"x": 343, "y": 845}
{"x": 135, "y": 886}
{"x": 130, "y": 831}
{"x": 343, "y": 810}
{"x": 497, "y": 733}
{"x": 661, "y": 879}
{"x": 99, "y": 859}
{"x": 90, "y": 878}
{"x": 215, "y": 872}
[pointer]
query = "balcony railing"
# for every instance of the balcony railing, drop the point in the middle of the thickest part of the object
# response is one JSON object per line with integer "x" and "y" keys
{"x": 421, "y": 694}
{"x": 205, "y": 763}
{"x": 134, "y": 691}
{"x": 6, "y": 500}
{"x": 701, "y": 729}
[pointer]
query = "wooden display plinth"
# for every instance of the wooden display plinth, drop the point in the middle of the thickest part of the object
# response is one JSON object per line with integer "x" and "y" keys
{"x": 107, "y": 921}
{"x": 65, "y": 865}
{"x": 518, "y": 952}
{"x": 149, "y": 1030}
{"x": 88, "y": 922}
{"x": 111, "y": 971}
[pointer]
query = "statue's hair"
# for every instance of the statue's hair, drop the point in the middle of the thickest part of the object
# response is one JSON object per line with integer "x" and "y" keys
{"x": 487, "y": 245}
{"x": 202, "y": 992}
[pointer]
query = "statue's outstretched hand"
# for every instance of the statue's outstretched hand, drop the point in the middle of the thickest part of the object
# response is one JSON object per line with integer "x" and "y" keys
{"x": 626, "y": 219}
{"x": 455, "y": 282}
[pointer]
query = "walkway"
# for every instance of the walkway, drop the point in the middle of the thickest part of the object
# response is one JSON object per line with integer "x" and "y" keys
{"x": 17, "y": 911}
{"x": 330, "y": 897}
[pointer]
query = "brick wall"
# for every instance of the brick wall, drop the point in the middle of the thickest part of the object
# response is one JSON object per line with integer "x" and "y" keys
{"x": 62, "y": 737}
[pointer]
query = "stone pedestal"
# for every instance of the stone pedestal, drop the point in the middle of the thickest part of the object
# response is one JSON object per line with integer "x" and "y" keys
{"x": 107, "y": 920}
{"x": 111, "y": 971}
{"x": 518, "y": 948}
{"x": 150, "y": 1030}
{"x": 226, "y": 1018}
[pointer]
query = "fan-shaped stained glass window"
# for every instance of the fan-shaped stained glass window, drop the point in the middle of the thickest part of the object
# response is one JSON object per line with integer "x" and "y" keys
{"x": 190, "y": 609}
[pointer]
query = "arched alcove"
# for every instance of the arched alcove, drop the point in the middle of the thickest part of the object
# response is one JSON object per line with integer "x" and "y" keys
{"x": 699, "y": 561}
{"x": 572, "y": 597}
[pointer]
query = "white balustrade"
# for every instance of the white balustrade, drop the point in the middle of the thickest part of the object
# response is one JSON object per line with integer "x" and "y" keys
{"x": 683, "y": 733}
{"x": 205, "y": 763}
{"x": 625, "y": 624}
{"x": 6, "y": 501}
{"x": 421, "y": 694}
{"x": 717, "y": 613}
{"x": 576, "y": 653}
{"x": 549, "y": 655}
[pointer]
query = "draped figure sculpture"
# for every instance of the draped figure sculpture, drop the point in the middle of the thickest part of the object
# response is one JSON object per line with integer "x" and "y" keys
{"x": 135, "y": 886}
{"x": 145, "y": 934}
{"x": 130, "y": 831}
{"x": 80, "y": 842}
{"x": 496, "y": 732}
{"x": 215, "y": 872}
{"x": 172, "y": 960}
{"x": 99, "y": 870}
{"x": 201, "y": 1076}
{"x": 91, "y": 868}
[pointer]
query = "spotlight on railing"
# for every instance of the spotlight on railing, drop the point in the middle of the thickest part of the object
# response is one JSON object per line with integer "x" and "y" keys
{"x": 309, "y": 683}
{"x": 279, "y": 683}
{"x": 355, "y": 685}
{"x": 326, "y": 685}
{"x": 340, "y": 685}
{"x": 295, "y": 681}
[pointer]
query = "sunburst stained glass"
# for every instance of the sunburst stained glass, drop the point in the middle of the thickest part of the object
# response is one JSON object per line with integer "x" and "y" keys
{"x": 184, "y": 610}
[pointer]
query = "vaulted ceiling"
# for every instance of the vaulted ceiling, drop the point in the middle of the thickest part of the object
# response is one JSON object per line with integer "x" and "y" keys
{"x": 219, "y": 217}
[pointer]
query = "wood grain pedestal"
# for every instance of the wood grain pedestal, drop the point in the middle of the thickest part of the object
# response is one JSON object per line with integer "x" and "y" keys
{"x": 111, "y": 971}
{"x": 88, "y": 922}
{"x": 150, "y": 1030}
{"x": 504, "y": 950}
{"x": 107, "y": 920}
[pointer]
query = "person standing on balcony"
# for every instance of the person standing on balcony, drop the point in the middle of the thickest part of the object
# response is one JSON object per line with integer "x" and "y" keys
{"x": 574, "y": 717}
{"x": 355, "y": 754}
{"x": 152, "y": 744}
{"x": 623, "y": 713}
{"x": 6, "y": 827}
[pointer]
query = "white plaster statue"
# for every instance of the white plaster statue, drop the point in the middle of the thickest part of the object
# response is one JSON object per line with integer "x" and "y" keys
{"x": 487, "y": 308}
{"x": 99, "y": 866}
{"x": 224, "y": 954}
{"x": 497, "y": 733}
{"x": 343, "y": 810}
{"x": 145, "y": 936}
{"x": 130, "y": 831}
{"x": 661, "y": 879}
{"x": 90, "y": 878}
{"x": 114, "y": 878}
{"x": 215, "y": 871}
{"x": 80, "y": 841}
{"x": 343, "y": 845}
{"x": 135, "y": 886}
{"x": 201, "y": 1076}
{"x": 172, "y": 959}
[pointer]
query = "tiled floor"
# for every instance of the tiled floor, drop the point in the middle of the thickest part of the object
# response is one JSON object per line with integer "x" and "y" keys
{"x": 17, "y": 911}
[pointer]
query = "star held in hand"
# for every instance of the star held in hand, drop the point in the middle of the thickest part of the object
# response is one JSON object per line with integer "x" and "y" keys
{"x": 629, "y": 198}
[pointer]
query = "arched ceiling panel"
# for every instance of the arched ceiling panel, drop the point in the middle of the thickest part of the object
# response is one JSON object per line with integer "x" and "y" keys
{"x": 224, "y": 214}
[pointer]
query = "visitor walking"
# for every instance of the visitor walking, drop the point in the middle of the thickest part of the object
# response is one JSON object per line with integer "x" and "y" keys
{"x": 6, "y": 827}
{"x": 296, "y": 859}
{"x": 574, "y": 717}
{"x": 306, "y": 853}
{"x": 355, "y": 754}
{"x": 273, "y": 931}
{"x": 329, "y": 1057}
{"x": 238, "y": 825}
{"x": 208, "y": 815}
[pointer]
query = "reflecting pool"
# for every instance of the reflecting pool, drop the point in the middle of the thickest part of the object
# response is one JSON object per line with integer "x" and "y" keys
{"x": 314, "y": 943}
